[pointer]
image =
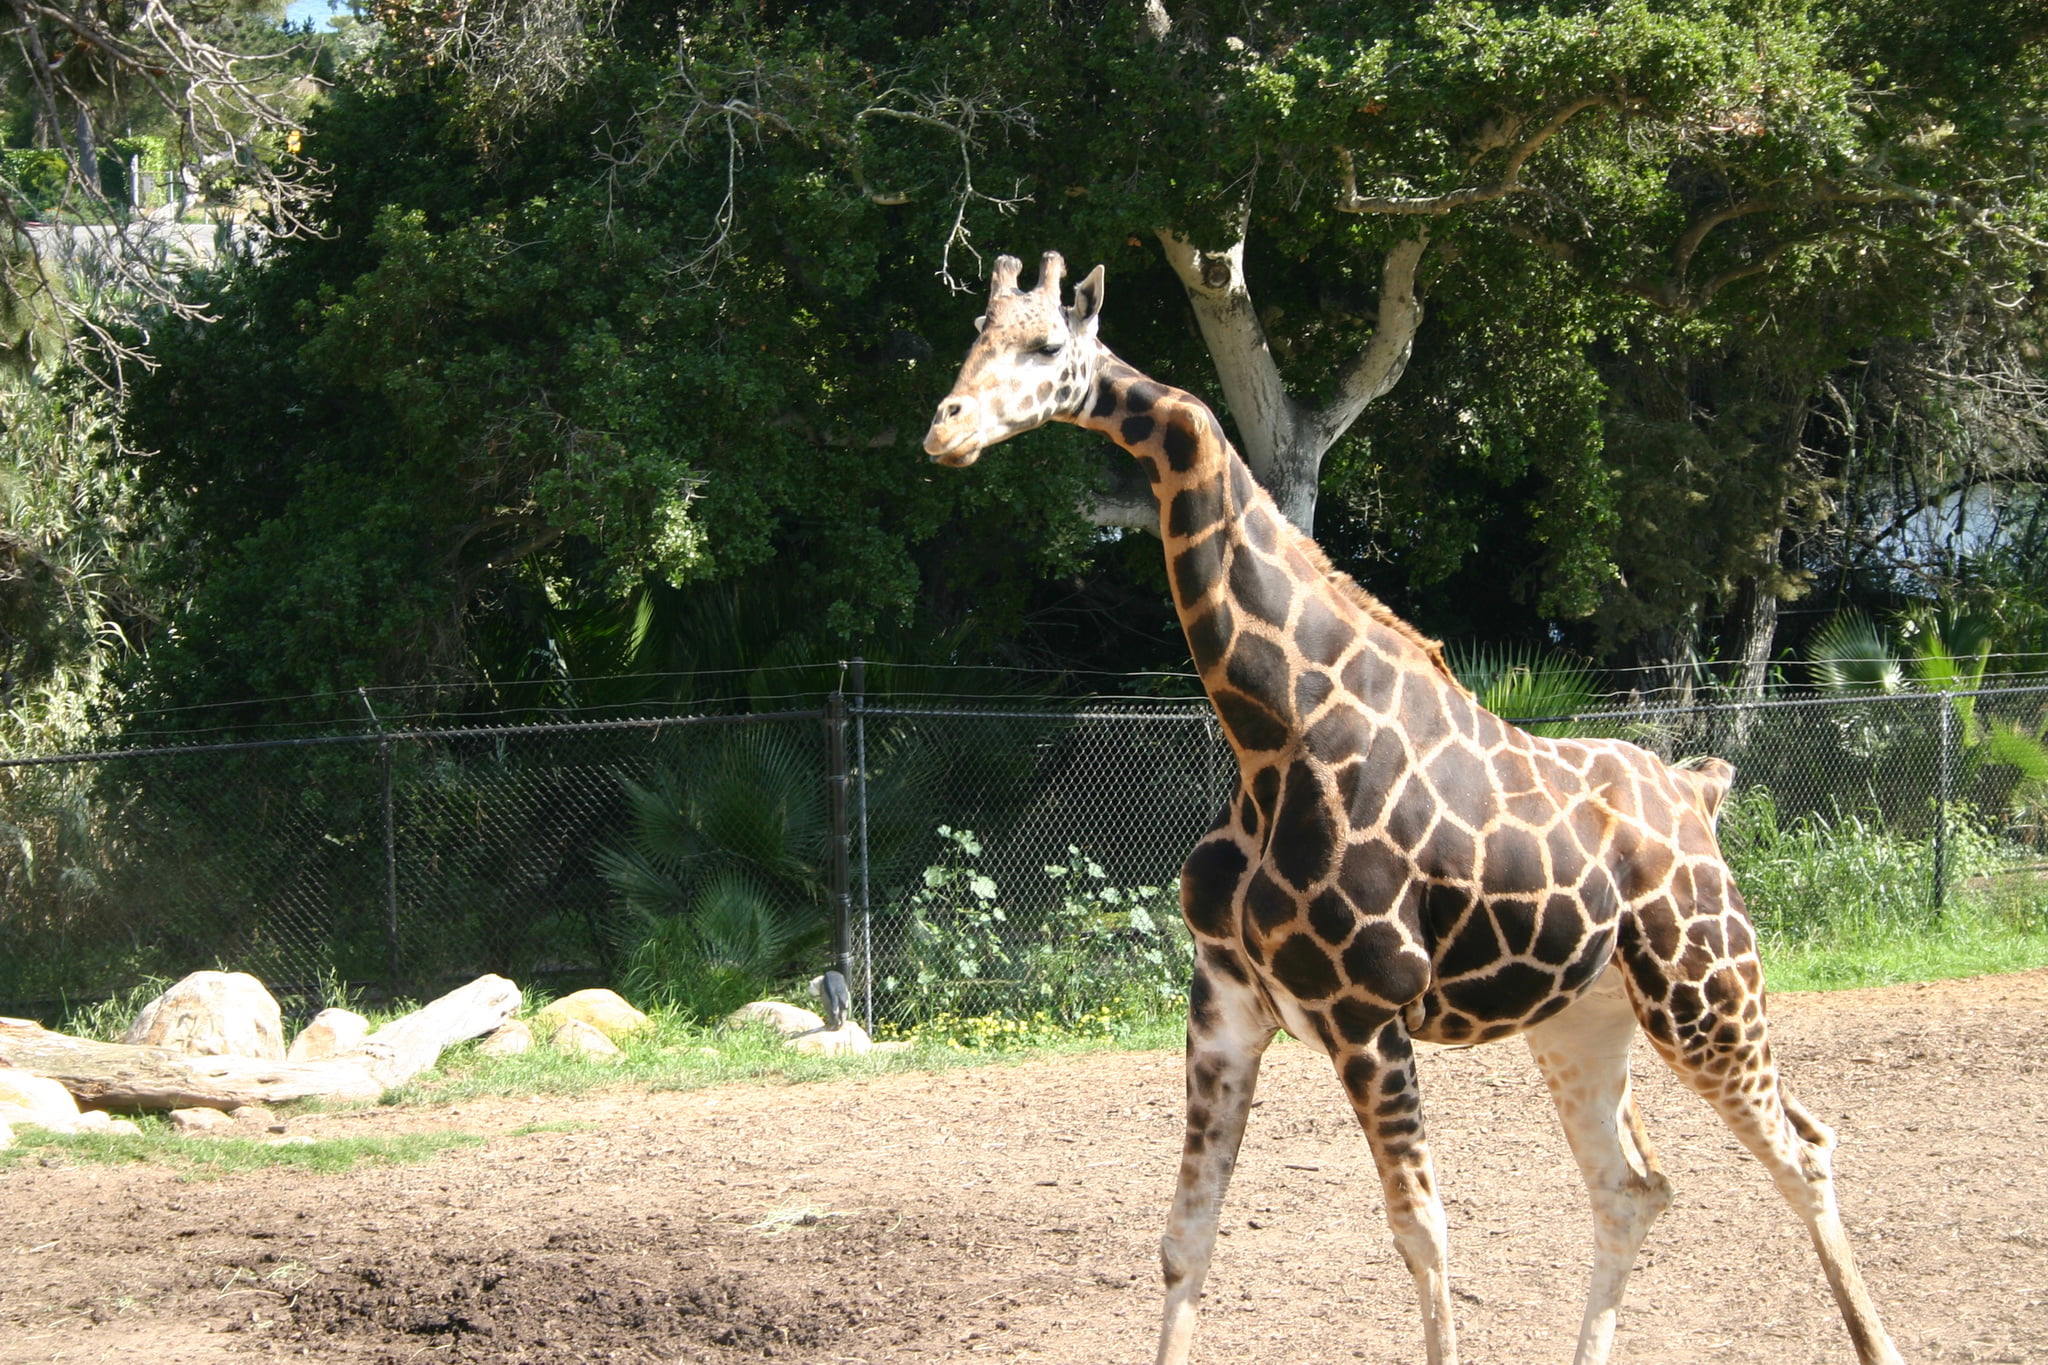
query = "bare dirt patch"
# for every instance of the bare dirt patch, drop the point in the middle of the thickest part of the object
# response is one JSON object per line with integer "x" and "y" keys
{"x": 1011, "y": 1213}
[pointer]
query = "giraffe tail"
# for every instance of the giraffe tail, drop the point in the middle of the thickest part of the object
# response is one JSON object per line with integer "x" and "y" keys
{"x": 1706, "y": 779}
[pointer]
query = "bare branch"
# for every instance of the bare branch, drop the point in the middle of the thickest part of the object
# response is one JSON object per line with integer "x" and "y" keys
{"x": 517, "y": 57}
{"x": 111, "y": 278}
{"x": 1509, "y": 182}
{"x": 739, "y": 109}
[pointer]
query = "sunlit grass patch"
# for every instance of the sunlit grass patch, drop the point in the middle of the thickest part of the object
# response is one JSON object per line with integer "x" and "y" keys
{"x": 209, "y": 1158}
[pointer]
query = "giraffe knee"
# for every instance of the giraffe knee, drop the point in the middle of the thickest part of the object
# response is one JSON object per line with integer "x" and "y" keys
{"x": 1631, "y": 1204}
{"x": 1653, "y": 1194}
{"x": 1173, "y": 1268}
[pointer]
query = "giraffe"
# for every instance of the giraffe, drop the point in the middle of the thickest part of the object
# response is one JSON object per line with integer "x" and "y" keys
{"x": 1399, "y": 865}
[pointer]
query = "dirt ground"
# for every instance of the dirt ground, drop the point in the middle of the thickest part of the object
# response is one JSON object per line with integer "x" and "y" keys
{"x": 1012, "y": 1212}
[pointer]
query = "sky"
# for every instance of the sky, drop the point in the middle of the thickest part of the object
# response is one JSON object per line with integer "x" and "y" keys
{"x": 300, "y": 11}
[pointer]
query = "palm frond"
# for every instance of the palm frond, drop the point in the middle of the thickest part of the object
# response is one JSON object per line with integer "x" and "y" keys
{"x": 1522, "y": 682}
{"x": 1852, "y": 655}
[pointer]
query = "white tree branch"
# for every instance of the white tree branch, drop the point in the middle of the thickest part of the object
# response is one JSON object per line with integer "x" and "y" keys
{"x": 1380, "y": 365}
{"x": 1510, "y": 181}
{"x": 1267, "y": 419}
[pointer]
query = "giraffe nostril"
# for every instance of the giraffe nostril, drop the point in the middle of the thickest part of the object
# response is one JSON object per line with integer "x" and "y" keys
{"x": 954, "y": 407}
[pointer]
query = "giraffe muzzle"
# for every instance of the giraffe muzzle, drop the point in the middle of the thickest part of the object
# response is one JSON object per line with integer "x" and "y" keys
{"x": 955, "y": 436}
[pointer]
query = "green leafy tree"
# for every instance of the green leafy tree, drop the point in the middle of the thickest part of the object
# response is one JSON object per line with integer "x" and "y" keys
{"x": 1587, "y": 267}
{"x": 72, "y": 567}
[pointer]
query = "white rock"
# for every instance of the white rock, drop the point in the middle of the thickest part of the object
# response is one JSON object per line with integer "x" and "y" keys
{"x": 252, "y": 1115}
{"x": 125, "y": 1128}
{"x": 332, "y": 1032}
{"x": 509, "y": 1039}
{"x": 93, "y": 1121}
{"x": 606, "y": 1011}
{"x": 199, "y": 1120}
{"x": 575, "y": 1036}
{"x": 786, "y": 1019}
{"x": 213, "y": 1014}
{"x": 28, "y": 1098}
{"x": 849, "y": 1040}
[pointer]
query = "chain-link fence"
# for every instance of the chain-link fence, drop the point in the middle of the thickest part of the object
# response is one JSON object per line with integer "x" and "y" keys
{"x": 962, "y": 860}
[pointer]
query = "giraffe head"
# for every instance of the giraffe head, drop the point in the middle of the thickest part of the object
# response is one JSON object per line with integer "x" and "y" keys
{"x": 1034, "y": 362}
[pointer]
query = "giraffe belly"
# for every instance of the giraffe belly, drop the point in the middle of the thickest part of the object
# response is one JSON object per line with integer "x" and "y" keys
{"x": 1502, "y": 1000}
{"x": 1300, "y": 1024}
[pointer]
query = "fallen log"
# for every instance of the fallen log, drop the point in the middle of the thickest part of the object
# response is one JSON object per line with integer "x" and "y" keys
{"x": 125, "y": 1076}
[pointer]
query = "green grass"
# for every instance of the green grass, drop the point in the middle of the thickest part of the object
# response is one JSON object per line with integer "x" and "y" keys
{"x": 1975, "y": 936}
{"x": 678, "y": 1055}
{"x": 209, "y": 1158}
{"x": 1842, "y": 901}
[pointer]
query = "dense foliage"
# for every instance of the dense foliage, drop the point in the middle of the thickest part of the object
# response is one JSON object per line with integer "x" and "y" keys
{"x": 618, "y": 305}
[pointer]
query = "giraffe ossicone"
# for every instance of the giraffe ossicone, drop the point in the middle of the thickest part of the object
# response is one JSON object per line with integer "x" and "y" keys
{"x": 1398, "y": 864}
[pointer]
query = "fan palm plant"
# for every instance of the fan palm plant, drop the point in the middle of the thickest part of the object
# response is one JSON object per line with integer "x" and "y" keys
{"x": 1523, "y": 682}
{"x": 2003, "y": 763}
{"x": 721, "y": 872}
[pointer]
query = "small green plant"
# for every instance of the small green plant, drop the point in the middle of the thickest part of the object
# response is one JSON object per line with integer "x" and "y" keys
{"x": 708, "y": 963}
{"x": 1085, "y": 946}
{"x": 721, "y": 874}
{"x": 107, "y": 1020}
{"x": 1525, "y": 683}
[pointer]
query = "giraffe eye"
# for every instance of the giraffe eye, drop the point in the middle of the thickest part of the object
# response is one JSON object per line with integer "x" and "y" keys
{"x": 1051, "y": 347}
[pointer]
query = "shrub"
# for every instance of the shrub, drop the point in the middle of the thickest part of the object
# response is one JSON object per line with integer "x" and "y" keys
{"x": 1818, "y": 875}
{"x": 39, "y": 173}
{"x": 727, "y": 951}
{"x": 968, "y": 951}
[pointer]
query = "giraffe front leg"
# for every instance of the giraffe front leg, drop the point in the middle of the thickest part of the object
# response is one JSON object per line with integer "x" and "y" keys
{"x": 1229, "y": 1027}
{"x": 1583, "y": 1054}
{"x": 1385, "y": 1094}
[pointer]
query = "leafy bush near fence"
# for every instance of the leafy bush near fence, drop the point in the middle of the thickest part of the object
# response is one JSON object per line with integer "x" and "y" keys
{"x": 1073, "y": 949}
{"x": 39, "y": 174}
{"x": 1813, "y": 875}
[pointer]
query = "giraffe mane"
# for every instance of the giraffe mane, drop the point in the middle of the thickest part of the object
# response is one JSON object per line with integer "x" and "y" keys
{"x": 1379, "y": 611}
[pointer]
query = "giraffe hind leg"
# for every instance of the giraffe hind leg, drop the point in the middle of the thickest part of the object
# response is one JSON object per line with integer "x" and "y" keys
{"x": 1707, "y": 1023}
{"x": 1583, "y": 1054}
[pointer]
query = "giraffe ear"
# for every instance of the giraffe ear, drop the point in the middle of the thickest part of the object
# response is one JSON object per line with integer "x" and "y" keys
{"x": 1087, "y": 302}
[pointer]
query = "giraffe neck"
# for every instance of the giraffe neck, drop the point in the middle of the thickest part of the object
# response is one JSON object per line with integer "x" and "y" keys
{"x": 1259, "y": 605}
{"x": 1204, "y": 494}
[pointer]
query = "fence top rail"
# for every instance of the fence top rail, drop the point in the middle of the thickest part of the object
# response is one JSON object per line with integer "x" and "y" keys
{"x": 1180, "y": 710}
{"x": 1175, "y": 710}
{"x": 1668, "y": 710}
{"x": 558, "y": 727}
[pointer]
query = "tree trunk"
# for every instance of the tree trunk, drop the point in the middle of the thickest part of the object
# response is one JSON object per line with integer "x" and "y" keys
{"x": 1669, "y": 656}
{"x": 122, "y": 1076}
{"x": 87, "y": 149}
{"x": 1283, "y": 439}
{"x": 1755, "y": 620}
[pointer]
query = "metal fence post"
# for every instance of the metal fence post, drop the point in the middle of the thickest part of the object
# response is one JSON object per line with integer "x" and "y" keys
{"x": 859, "y": 679}
{"x": 1944, "y": 790}
{"x": 836, "y": 784}
{"x": 390, "y": 872}
{"x": 390, "y": 850}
